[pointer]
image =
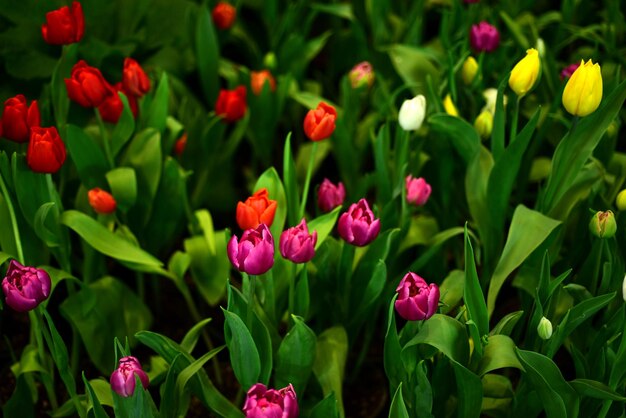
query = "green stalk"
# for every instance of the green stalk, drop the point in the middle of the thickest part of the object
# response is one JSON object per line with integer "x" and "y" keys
{"x": 307, "y": 181}
{"x": 250, "y": 297}
{"x": 344, "y": 274}
{"x": 16, "y": 232}
{"x": 514, "y": 122}
{"x": 402, "y": 155}
{"x": 292, "y": 290}
{"x": 105, "y": 139}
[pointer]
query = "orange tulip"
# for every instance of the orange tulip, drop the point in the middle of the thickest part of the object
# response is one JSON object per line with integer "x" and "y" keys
{"x": 257, "y": 209}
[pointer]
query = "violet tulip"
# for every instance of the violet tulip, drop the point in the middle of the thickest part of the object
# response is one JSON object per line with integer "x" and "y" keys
{"x": 484, "y": 37}
{"x": 262, "y": 402}
{"x": 358, "y": 226}
{"x": 297, "y": 245}
{"x": 123, "y": 378}
{"x": 417, "y": 300}
{"x": 254, "y": 253}
{"x": 25, "y": 287}
{"x": 329, "y": 196}
{"x": 417, "y": 190}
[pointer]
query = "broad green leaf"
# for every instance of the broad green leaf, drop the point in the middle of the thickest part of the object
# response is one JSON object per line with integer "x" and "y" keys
{"x": 595, "y": 389}
{"x": 473, "y": 294}
{"x": 87, "y": 156}
{"x": 21, "y": 404}
{"x": 210, "y": 271}
{"x": 188, "y": 372}
{"x": 324, "y": 225}
{"x": 330, "y": 362}
{"x": 444, "y": 333}
{"x": 271, "y": 181}
{"x": 451, "y": 290}
{"x": 373, "y": 288}
{"x": 413, "y": 65}
{"x": 326, "y": 408}
{"x": 499, "y": 353}
{"x": 206, "y": 224}
{"x": 392, "y": 349}
{"x": 295, "y": 357}
{"x": 123, "y": 183}
{"x": 124, "y": 128}
{"x": 157, "y": 114}
{"x": 244, "y": 355}
{"x": 58, "y": 90}
{"x": 398, "y": 409}
{"x": 291, "y": 184}
{"x": 207, "y": 54}
{"x": 505, "y": 325}
{"x": 343, "y": 10}
{"x": 381, "y": 156}
{"x": 39, "y": 225}
{"x": 470, "y": 391}
{"x": 191, "y": 338}
{"x": 98, "y": 410}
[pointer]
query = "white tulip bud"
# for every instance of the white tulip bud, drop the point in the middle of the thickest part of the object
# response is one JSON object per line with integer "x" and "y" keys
{"x": 412, "y": 113}
{"x": 544, "y": 329}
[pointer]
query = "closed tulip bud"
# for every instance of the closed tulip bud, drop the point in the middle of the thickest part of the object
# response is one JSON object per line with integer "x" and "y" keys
{"x": 484, "y": 124}
{"x": 362, "y": 75}
{"x": 231, "y": 104}
{"x": 18, "y": 118}
{"x": 87, "y": 86}
{"x": 469, "y": 70}
{"x": 525, "y": 73}
{"x": 449, "y": 106}
{"x": 101, "y": 201}
{"x": 603, "y": 224}
{"x": 583, "y": 91}
{"x": 134, "y": 78}
{"x": 320, "y": 123}
{"x": 491, "y": 95}
{"x": 262, "y": 402}
{"x": 259, "y": 78}
{"x": 620, "y": 200}
{"x": 330, "y": 196}
{"x": 181, "y": 143}
{"x": 111, "y": 108}
{"x": 123, "y": 379}
{"x": 412, "y": 113}
{"x": 358, "y": 226}
{"x": 46, "y": 151}
{"x": 417, "y": 300}
{"x": 254, "y": 253}
{"x": 484, "y": 37}
{"x": 64, "y": 26}
{"x": 544, "y": 329}
{"x": 417, "y": 190}
{"x": 224, "y": 15}
{"x": 25, "y": 287}
{"x": 257, "y": 209}
{"x": 296, "y": 244}
{"x": 569, "y": 70}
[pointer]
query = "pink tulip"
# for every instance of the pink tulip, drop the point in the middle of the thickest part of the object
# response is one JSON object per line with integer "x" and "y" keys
{"x": 262, "y": 402}
{"x": 25, "y": 287}
{"x": 358, "y": 226}
{"x": 484, "y": 37}
{"x": 417, "y": 190}
{"x": 416, "y": 300}
{"x": 123, "y": 378}
{"x": 297, "y": 245}
{"x": 254, "y": 253}
{"x": 330, "y": 196}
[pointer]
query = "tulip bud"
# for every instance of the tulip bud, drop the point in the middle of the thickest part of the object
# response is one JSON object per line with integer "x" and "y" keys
{"x": 612, "y": 130}
{"x": 484, "y": 37}
{"x": 101, "y": 201}
{"x": 320, "y": 123}
{"x": 603, "y": 224}
{"x": 269, "y": 61}
{"x": 525, "y": 73}
{"x": 46, "y": 150}
{"x": 583, "y": 91}
{"x": 569, "y": 70}
{"x": 358, "y": 226}
{"x": 64, "y": 26}
{"x": 17, "y": 118}
{"x": 541, "y": 47}
{"x": 87, "y": 86}
{"x": 123, "y": 378}
{"x": 111, "y": 108}
{"x": 224, "y": 15}
{"x": 544, "y": 329}
{"x": 134, "y": 78}
{"x": 231, "y": 104}
{"x": 262, "y": 402}
{"x": 417, "y": 300}
{"x": 620, "y": 200}
{"x": 181, "y": 143}
{"x": 484, "y": 124}
{"x": 257, "y": 209}
{"x": 412, "y": 113}
{"x": 361, "y": 75}
{"x": 25, "y": 287}
{"x": 491, "y": 95}
{"x": 469, "y": 70}
{"x": 258, "y": 80}
{"x": 254, "y": 253}
{"x": 417, "y": 190}
{"x": 330, "y": 196}
{"x": 297, "y": 245}
{"x": 449, "y": 106}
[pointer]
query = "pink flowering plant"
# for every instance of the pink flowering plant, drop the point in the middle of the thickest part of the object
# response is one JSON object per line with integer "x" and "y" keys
{"x": 273, "y": 209}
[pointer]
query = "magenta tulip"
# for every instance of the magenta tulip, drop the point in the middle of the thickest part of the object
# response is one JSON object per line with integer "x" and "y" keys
{"x": 25, "y": 287}
{"x": 123, "y": 378}
{"x": 417, "y": 299}
{"x": 484, "y": 37}
{"x": 297, "y": 245}
{"x": 569, "y": 70}
{"x": 417, "y": 190}
{"x": 358, "y": 226}
{"x": 262, "y": 402}
{"x": 254, "y": 253}
{"x": 330, "y": 196}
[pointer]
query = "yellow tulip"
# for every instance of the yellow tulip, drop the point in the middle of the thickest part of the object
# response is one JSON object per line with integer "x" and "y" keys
{"x": 449, "y": 106}
{"x": 469, "y": 70}
{"x": 484, "y": 124}
{"x": 583, "y": 92}
{"x": 524, "y": 74}
{"x": 620, "y": 200}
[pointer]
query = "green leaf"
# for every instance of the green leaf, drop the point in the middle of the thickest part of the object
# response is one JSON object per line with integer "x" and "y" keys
{"x": 157, "y": 114}
{"x": 381, "y": 156}
{"x": 87, "y": 156}
{"x": 414, "y": 66}
{"x": 291, "y": 184}
{"x": 210, "y": 271}
{"x": 330, "y": 362}
{"x": 244, "y": 356}
{"x": 21, "y": 402}
{"x": 499, "y": 353}
{"x": 123, "y": 183}
{"x": 324, "y": 225}
{"x": 326, "y": 408}
{"x": 124, "y": 128}
{"x": 188, "y": 372}
{"x": 463, "y": 136}
{"x": 597, "y": 390}
{"x": 207, "y": 54}
{"x": 206, "y": 224}
{"x": 505, "y": 325}
{"x": 392, "y": 349}
{"x": 473, "y": 294}
{"x": 444, "y": 333}
{"x": 39, "y": 224}
{"x": 398, "y": 409}
{"x": 58, "y": 90}
{"x": 294, "y": 360}
{"x": 470, "y": 391}
{"x": 343, "y": 10}
{"x": 451, "y": 290}
{"x": 271, "y": 181}
{"x": 98, "y": 410}
{"x": 191, "y": 338}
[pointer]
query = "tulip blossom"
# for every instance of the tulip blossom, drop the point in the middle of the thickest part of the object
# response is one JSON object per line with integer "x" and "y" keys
{"x": 254, "y": 253}
{"x": 544, "y": 329}
{"x": 469, "y": 70}
{"x": 330, "y": 196}
{"x": 46, "y": 151}
{"x": 64, "y": 26}
{"x": 257, "y": 209}
{"x": 134, "y": 78}
{"x": 101, "y": 201}
{"x": 258, "y": 80}
{"x": 417, "y": 190}
{"x": 525, "y": 73}
{"x": 603, "y": 224}
{"x": 25, "y": 287}
{"x": 111, "y": 108}
{"x": 231, "y": 104}
{"x": 361, "y": 75}
{"x": 449, "y": 107}
{"x": 320, "y": 123}
{"x": 490, "y": 95}
{"x": 583, "y": 91}
{"x": 297, "y": 245}
{"x": 358, "y": 226}
{"x": 484, "y": 124}
{"x": 18, "y": 118}
{"x": 569, "y": 70}
{"x": 412, "y": 113}
{"x": 417, "y": 300}
{"x": 484, "y": 37}
{"x": 620, "y": 200}
{"x": 262, "y": 402}
{"x": 224, "y": 15}
{"x": 181, "y": 143}
{"x": 123, "y": 378}
{"x": 87, "y": 86}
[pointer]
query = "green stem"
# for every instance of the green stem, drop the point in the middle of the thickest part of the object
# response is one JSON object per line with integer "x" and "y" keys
{"x": 292, "y": 290}
{"x": 307, "y": 181}
{"x": 345, "y": 275}
{"x": 16, "y": 232}
{"x": 37, "y": 328}
{"x": 250, "y": 298}
{"x": 514, "y": 122}
{"x": 105, "y": 139}
{"x": 402, "y": 155}
{"x": 270, "y": 296}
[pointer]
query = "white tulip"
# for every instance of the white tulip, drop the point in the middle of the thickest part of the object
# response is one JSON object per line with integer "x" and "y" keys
{"x": 544, "y": 329}
{"x": 412, "y": 113}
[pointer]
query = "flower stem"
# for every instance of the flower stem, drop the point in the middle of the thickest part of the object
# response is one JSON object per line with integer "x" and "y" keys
{"x": 307, "y": 181}
{"x": 250, "y": 298}
{"x": 344, "y": 275}
{"x": 402, "y": 155}
{"x": 514, "y": 122}
{"x": 16, "y": 232}
{"x": 105, "y": 139}
{"x": 292, "y": 290}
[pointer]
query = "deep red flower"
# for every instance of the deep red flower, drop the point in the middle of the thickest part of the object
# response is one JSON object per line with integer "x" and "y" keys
{"x": 17, "y": 118}
{"x": 134, "y": 78}
{"x": 320, "y": 123}
{"x": 231, "y": 104}
{"x": 224, "y": 15}
{"x": 46, "y": 150}
{"x": 87, "y": 86}
{"x": 101, "y": 201}
{"x": 112, "y": 107}
{"x": 64, "y": 26}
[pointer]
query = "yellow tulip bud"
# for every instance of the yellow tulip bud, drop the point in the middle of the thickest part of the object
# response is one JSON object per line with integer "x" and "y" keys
{"x": 525, "y": 72}
{"x": 484, "y": 124}
{"x": 469, "y": 70}
{"x": 449, "y": 107}
{"x": 620, "y": 200}
{"x": 583, "y": 91}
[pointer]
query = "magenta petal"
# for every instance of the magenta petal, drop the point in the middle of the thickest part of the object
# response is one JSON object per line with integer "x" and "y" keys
{"x": 232, "y": 250}
{"x": 118, "y": 384}
{"x": 260, "y": 259}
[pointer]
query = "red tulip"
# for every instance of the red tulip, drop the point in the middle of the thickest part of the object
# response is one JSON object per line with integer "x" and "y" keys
{"x": 101, "y": 201}
{"x": 134, "y": 78}
{"x": 112, "y": 107}
{"x": 231, "y": 104}
{"x": 64, "y": 26}
{"x": 224, "y": 15}
{"x": 320, "y": 123}
{"x": 258, "y": 80}
{"x": 17, "y": 118}
{"x": 46, "y": 150}
{"x": 181, "y": 143}
{"x": 87, "y": 86}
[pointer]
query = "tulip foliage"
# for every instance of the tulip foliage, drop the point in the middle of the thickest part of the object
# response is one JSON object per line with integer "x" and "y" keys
{"x": 313, "y": 209}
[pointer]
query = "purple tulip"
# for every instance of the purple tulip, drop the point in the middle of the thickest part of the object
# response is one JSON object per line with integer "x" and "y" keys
{"x": 25, "y": 287}
{"x": 297, "y": 245}
{"x": 484, "y": 37}
{"x": 569, "y": 70}
{"x": 123, "y": 378}
{"x": 417, "y": 190}
{"x": 254, "y": 254}
{"x": 262, "y": 402}
{"x": 417, "y": 299}
{"x": 358, "y": 226}
{"x": 330, "y": 196}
